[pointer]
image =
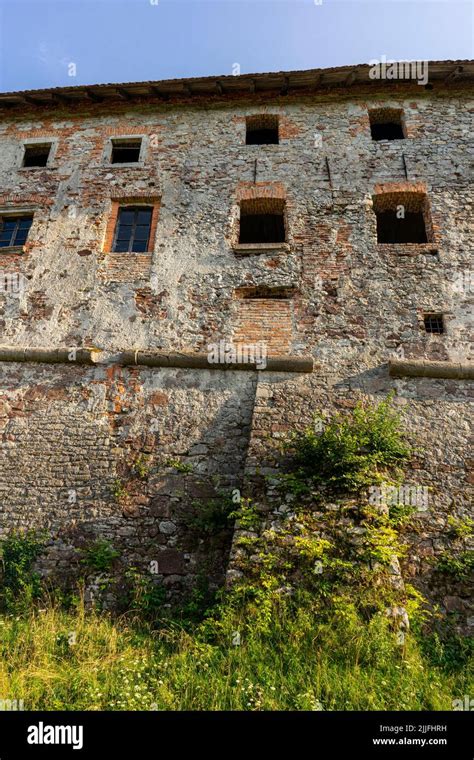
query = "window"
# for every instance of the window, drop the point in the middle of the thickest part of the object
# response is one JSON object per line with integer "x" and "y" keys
{"x": 409, "y": 229}
{"x": 125, "y": 151}
{"x": 262, "y": 129}
{"x": 262, "y": 221}
{"x": 36, "y": 155}
{"x": 387, "y": 124}
{"x": 401, "y": 218}
{"x": 132, "y": 232}
{"x": 434, "y": 323}
{"x": 14, "y": 230}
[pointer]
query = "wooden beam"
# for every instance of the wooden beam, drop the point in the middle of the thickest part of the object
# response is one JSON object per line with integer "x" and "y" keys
{"x": 284, "y": 89}
{"x": 93, "y": 96}
{"x": 350, "y": 79}
{"x": 426, "y": 368}
{"x": 454, "y": 74}
{"x": 201, "y": 361}
{"x": 49, "y": 355}
{"x": 123, "y": 93}
{"x": 61, "y": 97}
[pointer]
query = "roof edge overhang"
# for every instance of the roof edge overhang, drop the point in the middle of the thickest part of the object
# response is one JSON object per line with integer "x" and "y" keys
{"x": 245, "y": 85}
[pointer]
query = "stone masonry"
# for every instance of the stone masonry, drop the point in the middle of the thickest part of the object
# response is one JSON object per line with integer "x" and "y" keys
{"x": 74, "y": 437}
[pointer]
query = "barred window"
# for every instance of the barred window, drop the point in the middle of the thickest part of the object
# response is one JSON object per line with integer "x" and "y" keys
{"x": 434, "y": 323}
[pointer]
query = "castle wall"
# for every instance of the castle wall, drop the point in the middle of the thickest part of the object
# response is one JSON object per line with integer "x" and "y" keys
{"x": 131, "y": 456}
{"x": 349, "y": 302}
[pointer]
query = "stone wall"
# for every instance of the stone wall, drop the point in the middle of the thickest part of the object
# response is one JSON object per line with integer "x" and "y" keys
{"x": 436, "y": 417}
{"x": 130, "y": 455}
{"x": 348, "y": 301}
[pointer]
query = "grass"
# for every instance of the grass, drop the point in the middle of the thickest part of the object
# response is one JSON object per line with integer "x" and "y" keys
{"x": 54, "y": 659}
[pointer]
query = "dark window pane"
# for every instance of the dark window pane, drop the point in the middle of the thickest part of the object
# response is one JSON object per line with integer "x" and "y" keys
{"x": 20, "y": 237}
{"x": 139, "y": 246}
{"x": 387, "y": 131}
{"x": 126, "y": 153}
{"x": 14, "y": 230}
{"x": 121, "y": 246}
{"x": 134, "y": 234}
{"x": 262, "y": 137}
{"x": 127, "y": 217}
{"x": 141, "y": 233}
{"x": 144, "y": 217}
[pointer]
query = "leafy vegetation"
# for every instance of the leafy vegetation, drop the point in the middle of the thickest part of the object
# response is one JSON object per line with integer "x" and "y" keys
{"x": 99, "y": 555}
{"x": 460, "y": 565}
{"x": 309, "y": 623}
{"x": 20, "y": 583}
{"x": 352, "y": 451}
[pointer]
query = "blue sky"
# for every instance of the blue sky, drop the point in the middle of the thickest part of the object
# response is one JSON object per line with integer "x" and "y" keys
{"x": 133, "y": 40}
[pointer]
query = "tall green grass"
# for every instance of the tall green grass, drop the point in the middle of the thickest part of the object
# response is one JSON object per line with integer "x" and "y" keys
{"x": 54, "y": 659}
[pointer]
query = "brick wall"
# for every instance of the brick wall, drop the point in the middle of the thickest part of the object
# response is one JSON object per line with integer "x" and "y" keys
{"x": 265, "y": 319}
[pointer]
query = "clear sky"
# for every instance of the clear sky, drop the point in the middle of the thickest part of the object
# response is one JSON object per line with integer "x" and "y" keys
{"x": 133, "y": 40}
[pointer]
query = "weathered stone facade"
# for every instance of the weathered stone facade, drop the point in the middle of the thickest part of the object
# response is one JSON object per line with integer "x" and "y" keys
{"x": 72, "y": 435}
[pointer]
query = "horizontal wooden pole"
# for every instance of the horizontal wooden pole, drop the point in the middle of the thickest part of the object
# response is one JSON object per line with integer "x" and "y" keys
{"x": 152, "y": 359}
{"x": 426, "y": 368}
{"x": 50, "y": 355}
{"x": 201, "y": 361}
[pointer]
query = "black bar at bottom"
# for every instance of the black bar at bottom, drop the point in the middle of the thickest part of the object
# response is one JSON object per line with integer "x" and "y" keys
{"x": 171, "y": 734}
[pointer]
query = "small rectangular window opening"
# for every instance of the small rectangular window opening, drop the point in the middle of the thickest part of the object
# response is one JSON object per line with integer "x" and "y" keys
{"x": 401, "y": 218}
{"x": 386, "y": 124}
{"x": 132, "y": 232}
{"x": 125, "y": 151}
{"x": 262, "y": 221}
{"x": 14, "y": 230}
{"x": 434, "y": 323}
{"x": 36, "y": 155}
{"x": 262, "y": 129}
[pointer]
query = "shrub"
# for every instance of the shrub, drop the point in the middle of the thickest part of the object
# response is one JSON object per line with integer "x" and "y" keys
{"x": 21, "y": 585}
{"x": 99, "y": 555}
{"x": 459, "y": 565}
{"x": 353, "y": 450}
{"x": 212, "y": 516}
{"x": 145, "y": 597}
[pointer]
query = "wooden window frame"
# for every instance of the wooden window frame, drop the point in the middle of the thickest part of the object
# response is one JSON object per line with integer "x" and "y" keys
{"x": 18, "y": 218}
{"x": 110, "y": 234}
